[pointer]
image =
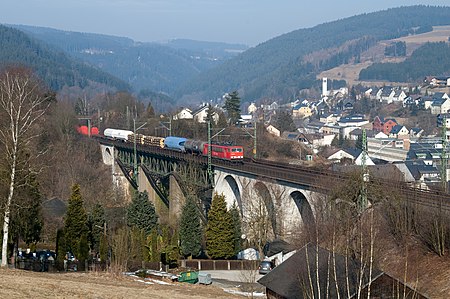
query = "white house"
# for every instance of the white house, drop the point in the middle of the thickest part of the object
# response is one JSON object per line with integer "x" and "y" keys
{"x": 399, "y": 131}
{"x": 440, "y": 106}
{"x": 185, "y": 113}
{"x": 352, "y": 121}
{"x": 274, "y": 131}
{"x": 338, "y": 154}
{"x": 358, "y": 160}
{"x": 252, "y": 108}
{"x": 399, "y": 96}
{"x": 201, "y": 114}
{"x": 381, "y": 135}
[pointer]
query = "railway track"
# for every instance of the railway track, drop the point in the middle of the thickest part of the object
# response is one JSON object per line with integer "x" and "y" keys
{"x": 312, "y": 178}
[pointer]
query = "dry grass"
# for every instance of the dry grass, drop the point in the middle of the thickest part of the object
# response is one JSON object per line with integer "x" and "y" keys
{"x": 24, "y": 284}
{"x": 350, "y": 72}
{"x": 426, "y": 271}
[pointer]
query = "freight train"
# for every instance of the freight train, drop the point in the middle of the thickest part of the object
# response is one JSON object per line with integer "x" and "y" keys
{"x": 185, "y": 145}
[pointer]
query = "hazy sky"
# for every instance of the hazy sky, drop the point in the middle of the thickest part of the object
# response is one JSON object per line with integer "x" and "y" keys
{"x": 237, "y": 21}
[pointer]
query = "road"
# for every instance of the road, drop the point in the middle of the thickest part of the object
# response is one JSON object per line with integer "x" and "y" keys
{"x": 244, "y": 280}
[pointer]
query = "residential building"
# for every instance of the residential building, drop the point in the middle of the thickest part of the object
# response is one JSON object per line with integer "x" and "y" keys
{"x": 440, "y": 106}
{"x": 420, "y": 174}
{"x": 252, "y": 108}
{"x": 415, "y": 132}
{"x": 301, "y": 110}
{"x": 399, "y": 96}
{"x": 426, "y": 102}
{"x": 313, "y": 141}
{"x": 274, "y": 131}
{"x": 329, "y": 118}
{"x": 440, "y": 120}
{"x": 440, "y": 81}
{"x": 352, "y": 121}
{"x": 337, "y": 155}
{"x": 399, "y": 132}
{"x": 387, "y": 149}
{"x": 380, "y": 124}
{"x": 201, "y": 114}
{"x": 387, "y": 95}
{"x": 185, "y": 113}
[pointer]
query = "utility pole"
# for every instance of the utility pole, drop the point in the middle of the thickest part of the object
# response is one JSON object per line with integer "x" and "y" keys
{"x": 210, "y": 172}
{"x": 362, "y": 203}
{"x": 135, "y": 164}
{"x": 135, "y": 167}
{"x": 254, "y": 141}
{"x": 444, "y": 154}
{"x": 128, "y": 118}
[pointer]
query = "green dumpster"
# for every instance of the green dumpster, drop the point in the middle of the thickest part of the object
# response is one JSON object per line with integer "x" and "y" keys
{"x": 188, "y": 276}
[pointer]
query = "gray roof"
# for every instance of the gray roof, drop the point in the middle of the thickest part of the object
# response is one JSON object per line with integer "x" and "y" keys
{"x": 396, "y": 129}
{"x": 291, "y": 279}
{"x": 418, "y": 167}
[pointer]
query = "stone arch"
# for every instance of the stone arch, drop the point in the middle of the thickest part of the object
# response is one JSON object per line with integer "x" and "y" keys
{"x": 264, "y": 193}
{"x": 236, "y": 192}
{"x": 304, "y": 208}
{"x": 108, "y": 152}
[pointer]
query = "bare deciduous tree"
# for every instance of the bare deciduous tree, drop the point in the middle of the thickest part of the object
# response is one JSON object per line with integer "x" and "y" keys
{"x": 22, "y": 103}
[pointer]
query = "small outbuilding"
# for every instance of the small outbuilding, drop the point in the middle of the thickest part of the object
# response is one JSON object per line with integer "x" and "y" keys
{"x": 298, "y": 277}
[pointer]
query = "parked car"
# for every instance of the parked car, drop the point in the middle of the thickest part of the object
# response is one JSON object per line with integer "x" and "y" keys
{"x": 265, "y": 267}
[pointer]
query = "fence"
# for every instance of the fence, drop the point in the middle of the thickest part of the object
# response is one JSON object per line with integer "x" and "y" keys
{"x": 219, "y": 264}
{"x": 52, "y": 266}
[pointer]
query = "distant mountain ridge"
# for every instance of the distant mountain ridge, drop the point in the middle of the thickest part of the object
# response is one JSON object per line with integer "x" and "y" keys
{"x": 52, "y": 66}
{"x": 159, "y": 67}
{"x": 278, "y": 68}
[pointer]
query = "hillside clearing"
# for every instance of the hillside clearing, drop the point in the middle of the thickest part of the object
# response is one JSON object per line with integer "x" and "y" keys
{"x": 350, "y": 72}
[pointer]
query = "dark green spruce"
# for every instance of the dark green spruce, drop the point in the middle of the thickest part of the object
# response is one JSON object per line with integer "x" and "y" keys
{"x": 141, "y": 213}
{"x": 75, "y": 222}
{"x": 219, "y": 231}
{"x": 233, "y": 107}
{"x": 190, "y": 232}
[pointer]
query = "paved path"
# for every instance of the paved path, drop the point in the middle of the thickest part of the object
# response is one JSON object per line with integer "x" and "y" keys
{"x": 242, "y": 279}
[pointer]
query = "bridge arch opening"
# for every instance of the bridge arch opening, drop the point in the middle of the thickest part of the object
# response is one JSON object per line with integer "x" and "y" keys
{"x": 305, "y": 209}
{"x": 234, "y": 187}
{"x": 108, "y": 151}
{"x": 265, "y": 210}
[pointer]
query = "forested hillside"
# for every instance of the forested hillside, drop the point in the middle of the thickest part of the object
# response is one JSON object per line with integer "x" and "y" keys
{"x": 52, "y": 66}
{"x": 430, "y": 59}
{"x": 151, "y": 66}
{"x": 285, "y": 64}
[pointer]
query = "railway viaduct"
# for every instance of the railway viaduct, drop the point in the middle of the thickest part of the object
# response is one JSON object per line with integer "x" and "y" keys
{"x": 288, "y": 196}
{"x": 169, "y": 177}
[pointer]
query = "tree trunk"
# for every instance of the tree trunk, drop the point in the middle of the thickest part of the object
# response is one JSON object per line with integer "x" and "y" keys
{"x": 7, "y": 213}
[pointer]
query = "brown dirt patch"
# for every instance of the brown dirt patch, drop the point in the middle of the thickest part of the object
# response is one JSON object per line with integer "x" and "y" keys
{"x": 24, "y": 284}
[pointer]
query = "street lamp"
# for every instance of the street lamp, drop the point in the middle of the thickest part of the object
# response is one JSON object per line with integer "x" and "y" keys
{"x": 135, "y": 170}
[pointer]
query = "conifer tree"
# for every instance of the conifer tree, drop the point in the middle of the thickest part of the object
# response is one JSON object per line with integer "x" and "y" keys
{"x": 233, "y": 107}
{"x": 219, "y": 231}
{"x": 83, "y": 249}
{"x": 141, "y": 213}
{"x": 237, "y": 228}
{"x": 190, "y": 229}
{"x": 75, "y": 224}
{"x": 60, "y": 247}
{"x": 28, "y": 221}
{"x": 96, "y": 226}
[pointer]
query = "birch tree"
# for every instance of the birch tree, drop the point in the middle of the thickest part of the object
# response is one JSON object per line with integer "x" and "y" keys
{"x": 22, "y": 104}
